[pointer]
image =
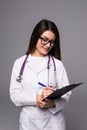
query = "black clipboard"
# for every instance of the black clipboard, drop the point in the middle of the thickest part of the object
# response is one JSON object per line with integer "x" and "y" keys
{"x": 60, "y": 92}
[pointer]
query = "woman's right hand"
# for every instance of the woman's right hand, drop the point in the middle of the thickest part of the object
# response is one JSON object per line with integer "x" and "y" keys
{"x": 47, "y": 91}
{"x": 39, "y": 97}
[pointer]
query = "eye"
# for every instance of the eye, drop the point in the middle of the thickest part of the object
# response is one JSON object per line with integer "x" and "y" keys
{"x": 45, "y": 39}
{"x": 52, "y": 42}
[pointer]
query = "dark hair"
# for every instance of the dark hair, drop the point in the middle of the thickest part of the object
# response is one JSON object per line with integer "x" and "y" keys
{"x": 41, "y": 27}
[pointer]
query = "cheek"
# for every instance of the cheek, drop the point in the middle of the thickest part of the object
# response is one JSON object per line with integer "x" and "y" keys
{"x": 38, "y": 45}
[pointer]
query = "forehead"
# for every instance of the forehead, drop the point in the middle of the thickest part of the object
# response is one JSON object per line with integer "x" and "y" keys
{"x": 48, "y": 34}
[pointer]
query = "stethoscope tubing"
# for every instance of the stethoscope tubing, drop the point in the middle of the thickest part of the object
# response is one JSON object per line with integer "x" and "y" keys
{"x": 19, "y": 78}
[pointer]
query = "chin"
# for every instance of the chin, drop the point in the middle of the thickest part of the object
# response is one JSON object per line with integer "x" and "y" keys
{"x": 46, "y": 51}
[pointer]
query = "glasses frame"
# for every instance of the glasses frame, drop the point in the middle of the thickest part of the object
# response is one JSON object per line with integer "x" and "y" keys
{"x": 45, "y": 41}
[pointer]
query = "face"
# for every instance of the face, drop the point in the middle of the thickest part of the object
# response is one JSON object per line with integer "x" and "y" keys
{"x": 44, "y": 44}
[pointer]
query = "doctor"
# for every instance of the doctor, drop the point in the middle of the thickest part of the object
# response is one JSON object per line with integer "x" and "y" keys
{"x": 42, "y": 63}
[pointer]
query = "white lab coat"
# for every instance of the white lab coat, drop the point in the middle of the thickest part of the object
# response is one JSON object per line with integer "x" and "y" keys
{"x": 24, "y": 94}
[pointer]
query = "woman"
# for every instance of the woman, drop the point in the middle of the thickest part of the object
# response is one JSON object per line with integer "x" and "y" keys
{"x": 41, "y": 65}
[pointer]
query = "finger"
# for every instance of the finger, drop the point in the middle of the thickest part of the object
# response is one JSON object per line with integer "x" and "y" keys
{"x": 49, "y": 88}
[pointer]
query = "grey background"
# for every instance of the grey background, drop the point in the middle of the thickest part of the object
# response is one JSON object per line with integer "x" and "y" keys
{"x": 17, "y": 20}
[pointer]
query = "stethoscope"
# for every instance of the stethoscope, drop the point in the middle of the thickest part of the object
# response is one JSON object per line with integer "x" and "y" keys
{"x": 19, "y": 77}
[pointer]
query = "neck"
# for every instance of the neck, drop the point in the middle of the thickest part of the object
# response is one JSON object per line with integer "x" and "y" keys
{"x": 37, "y": 54}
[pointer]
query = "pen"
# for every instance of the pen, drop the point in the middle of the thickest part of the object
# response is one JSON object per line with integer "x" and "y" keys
{"x": 41, "y": 84}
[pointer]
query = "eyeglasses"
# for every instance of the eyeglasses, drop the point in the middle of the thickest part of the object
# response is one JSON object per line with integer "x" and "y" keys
{"x": 45, "y": 41}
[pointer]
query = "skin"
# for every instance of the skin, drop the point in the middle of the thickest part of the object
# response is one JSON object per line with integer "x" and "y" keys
{"x": 41, "y": 51}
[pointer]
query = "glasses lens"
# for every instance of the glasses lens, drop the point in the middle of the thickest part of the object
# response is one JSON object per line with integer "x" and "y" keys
{"x": 52, "y": 42}
{"x": 46, "y": 41}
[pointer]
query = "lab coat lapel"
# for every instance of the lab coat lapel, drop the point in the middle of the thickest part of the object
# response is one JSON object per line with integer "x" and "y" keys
{"x": 42, "y": 67}
{"x": 32, "y": 66}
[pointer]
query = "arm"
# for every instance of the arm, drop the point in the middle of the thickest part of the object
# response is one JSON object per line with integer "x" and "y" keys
{"x": 18, "y": 95}
{"x": 62, "y": 80}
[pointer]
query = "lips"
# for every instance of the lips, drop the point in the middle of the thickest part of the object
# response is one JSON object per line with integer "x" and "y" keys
{"x": 46, "y": 49}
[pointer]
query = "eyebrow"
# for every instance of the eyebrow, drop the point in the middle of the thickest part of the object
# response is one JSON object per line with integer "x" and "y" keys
{"x": 48, "y": 38}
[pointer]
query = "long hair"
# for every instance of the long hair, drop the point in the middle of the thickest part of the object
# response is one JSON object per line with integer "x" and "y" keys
{"x": 40, "y": 28}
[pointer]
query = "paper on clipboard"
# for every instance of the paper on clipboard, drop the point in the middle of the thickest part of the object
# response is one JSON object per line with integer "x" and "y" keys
{"x": 60, "y": 92}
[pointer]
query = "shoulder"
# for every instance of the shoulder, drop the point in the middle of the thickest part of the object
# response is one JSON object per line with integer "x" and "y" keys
{"x": 18, "y": 62}
{"x": 58, "y": 62}
{"x": 20, "y": 59}
{"x": 59, "y": 65}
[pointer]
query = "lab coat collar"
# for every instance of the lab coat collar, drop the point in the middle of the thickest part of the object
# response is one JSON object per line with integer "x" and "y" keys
{"x": 32, "y": 66}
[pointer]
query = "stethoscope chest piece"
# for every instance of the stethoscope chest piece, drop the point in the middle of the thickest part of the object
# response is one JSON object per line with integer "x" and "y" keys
{"x": 19, "y": 78}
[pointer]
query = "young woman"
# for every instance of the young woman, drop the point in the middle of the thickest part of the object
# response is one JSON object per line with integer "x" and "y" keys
{"x": 41, "y": 65}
